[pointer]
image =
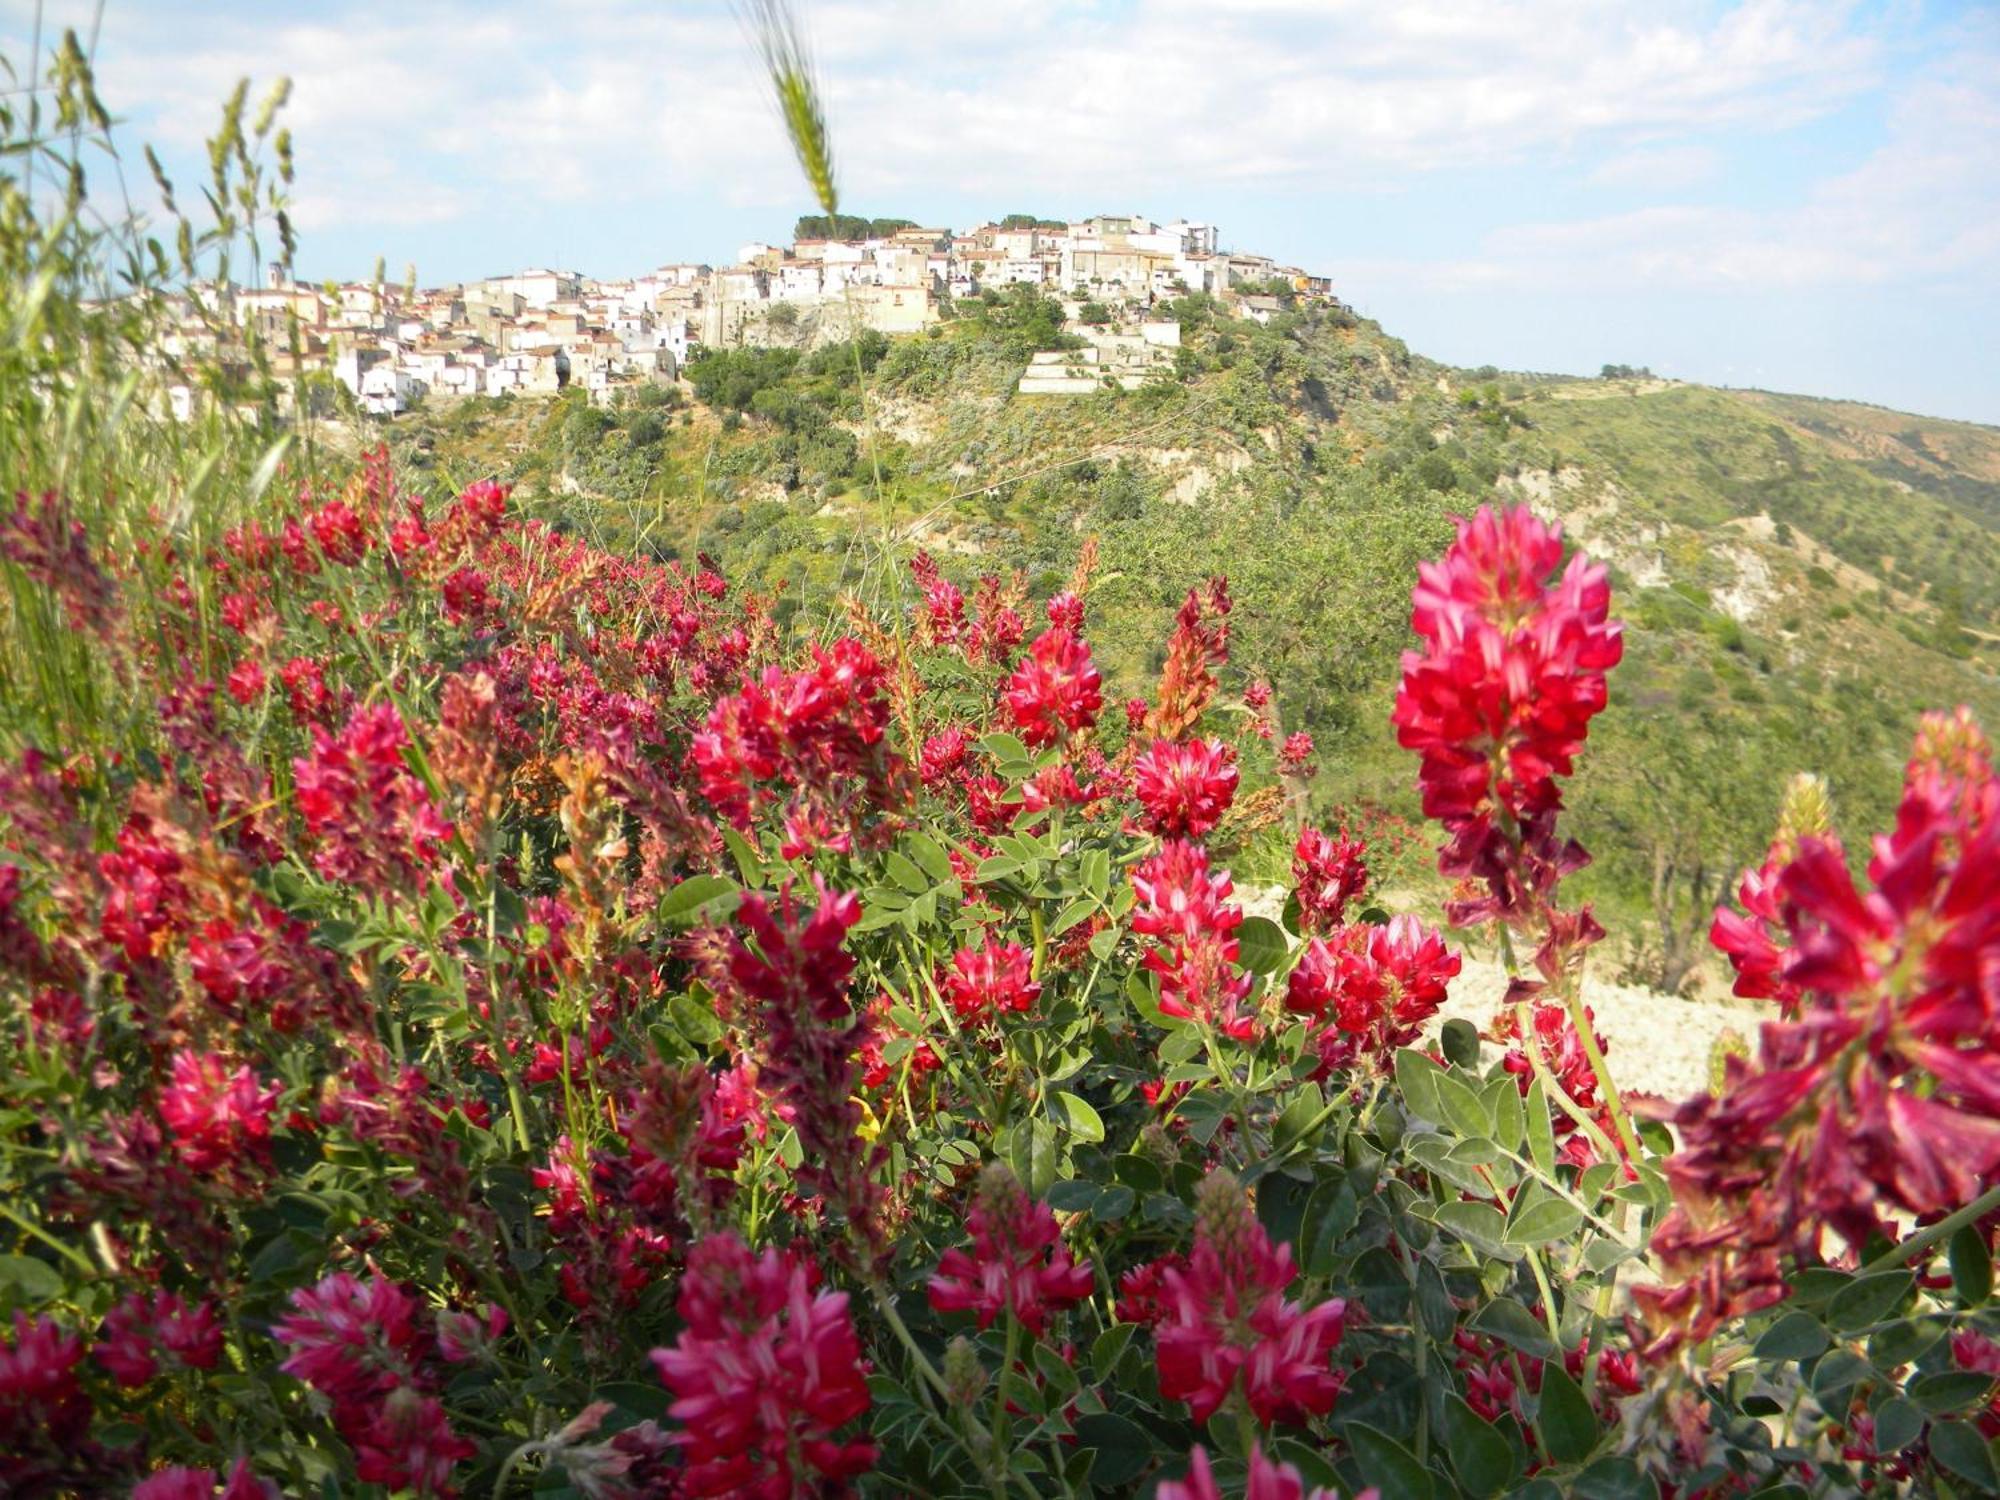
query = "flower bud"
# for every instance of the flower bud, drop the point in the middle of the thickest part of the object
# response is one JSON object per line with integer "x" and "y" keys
{"x": 964, "y": 1375}
{"x": 1806, "y": 810}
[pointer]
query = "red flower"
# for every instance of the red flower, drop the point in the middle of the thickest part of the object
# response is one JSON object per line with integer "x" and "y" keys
{"x": 989, "y": 979}
{"x": 220, "y": 1120}
{"x": 1185, "y": 788}
{"x": 1066, "y": 612}
{"x": 1055, "y": 690}
{"x": 765, "y": 1372}
{"x": 246, "y": 681}
{"x": 467, "y": 1337}
{"x": 1295, "y": 755}
{"x": 1752, "y": 939}
{"x": 1881, "y": 1095}
{"x": 201, "y": 1484}
{"x": 1196, "y": 651}
{"x": 1184, "y": 905}
{"x": 942, "y": 756}
{"x": 1227, "y": 1319}
{"x": 943, "y": 620}
{"x": 876, "y": 1069}
{"x": 466, "y": 594}
{"x": 339, "y": 532}
{"x": 407, "y": 1443}
{"x": 1268, "y": 1480}
{"x": 42, "y": 1408}
{"x": 353, "y": 1340}
{"x": 809, "y": 744}
{"x": 1327, "y": 873}
{"x": 792, "y": 975}
{"x": 1017, "y": 1262}
{"x": 372, "y": 817}
{"x": 1374, "y": 987}
{"x": 1142, "y": 1290}
{"x": 305, "y": 685}
{"x": 1500, "y": 699}
{"x": 139, "y": 1330}
{"x": 367, "y": 1349}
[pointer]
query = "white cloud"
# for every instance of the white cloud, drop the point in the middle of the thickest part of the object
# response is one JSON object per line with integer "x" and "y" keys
{"x": 1657, "y": 168}
{"x": 437, "y": 102}
{"x": 1923, "y": 205}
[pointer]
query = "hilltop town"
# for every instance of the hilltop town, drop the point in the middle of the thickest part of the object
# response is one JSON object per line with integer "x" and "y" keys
{"x": 543, "y": 330}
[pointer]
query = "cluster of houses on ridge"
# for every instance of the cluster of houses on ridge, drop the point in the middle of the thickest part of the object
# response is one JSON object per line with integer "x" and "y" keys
{"x": 544, "y": 330}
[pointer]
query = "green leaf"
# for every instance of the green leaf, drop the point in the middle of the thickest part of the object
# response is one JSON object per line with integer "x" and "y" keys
{"x": 1971, "y": 1266}
{"x": 1109, "y": 1347}
{"x": 1479, "y": 1224}
{"x": 1387, "y": 1465}
{"x": 748, "y": 861}
{"x": 699, "y": 898}
{"x": 1083, "y": 1121}
{"x": 1263, "y": 945}
{"x": 1541, "y": 1130}
{"x": 1548, "y": 1219}
{"x": 1950, "y": 1390}
{"x": 1124, "y": 1448}
{"x": 1073, "y": 1195}
{"x": 1331, "y": 1212}
{"x": 1511, "y": 1323}
{"x": 694, "y": 1020}
{"x": 1564, "y": 1418}
{"x": 1867, "y": 1299}
{"x": 34, "y": 1281}
{"x": 1796, "y": 1336}
{"x": 1300, "y": 1113}
{"x": 1836, "y": 1375}
{"x": 1459, "y": 1040}
{"x": 903, "y": 870}
{"x": 929, "y": 854}
{"x": 1463, "y": 1111}
{"x": 1481, "y": 1457}
{"x": 1434, "y": 1304}
{"x": 1502, "y": 1100}
{"x": 1030, "y": 1149}
{"x": 1416, "y": 1081}
{"x": 1958, "y": 1447}
{"x": 1113, "y": 1203}
{"x": 1898, "y": 1422}
{"x": 1005, "y": 749}
{"x": 1138, "y": 1173}
{"x": 1072, "y": 914}
{"x": 635, "y": 1396}
{"x": 1905, "y": 1342}
{"x": 1614, "y": 1478}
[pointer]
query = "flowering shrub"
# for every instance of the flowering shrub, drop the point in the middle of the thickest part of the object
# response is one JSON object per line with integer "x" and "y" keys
{"x": 512, "y": 1028}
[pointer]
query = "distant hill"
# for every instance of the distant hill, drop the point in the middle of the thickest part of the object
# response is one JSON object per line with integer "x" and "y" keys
{"x": 1800, "y": 577}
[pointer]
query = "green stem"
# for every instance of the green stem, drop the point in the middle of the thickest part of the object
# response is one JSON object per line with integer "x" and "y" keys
{"x": 1000, "y": 1421}
{"x": 1614, "y": 1102}
{"x": 1923, "y": 1239}
{"x": 1552, "y": 1086}
{"x": 886, "y": 1306}
{"x": 68, "y": 1252}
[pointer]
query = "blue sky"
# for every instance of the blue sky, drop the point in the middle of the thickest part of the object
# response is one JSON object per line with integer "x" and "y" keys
{"x": 1801, "y": 196}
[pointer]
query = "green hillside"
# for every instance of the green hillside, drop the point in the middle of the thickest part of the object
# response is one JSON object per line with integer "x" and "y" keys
{"x": 1800, "y": 578}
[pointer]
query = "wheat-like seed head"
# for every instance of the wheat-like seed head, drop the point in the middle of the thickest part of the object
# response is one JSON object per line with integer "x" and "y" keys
{"x": 788, "y": 63}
